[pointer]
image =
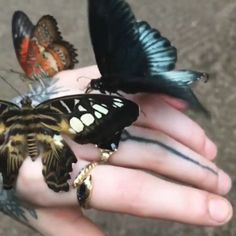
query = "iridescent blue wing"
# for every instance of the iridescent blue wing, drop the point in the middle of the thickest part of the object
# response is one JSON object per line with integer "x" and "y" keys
{"x": 159, "y": 53}
{"x": 133, "y": 57}
{"x": 124, "y": 46}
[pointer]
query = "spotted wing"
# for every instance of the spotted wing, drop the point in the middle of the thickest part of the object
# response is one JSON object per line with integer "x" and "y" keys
{"x": 89, "y": 118}
{"x": 49, "y": 37}
{"x": 40, "y": 49}
{"x": 57, "y": 160}
{"x": 46, "y": 31}
{"x": 22, "y": 29}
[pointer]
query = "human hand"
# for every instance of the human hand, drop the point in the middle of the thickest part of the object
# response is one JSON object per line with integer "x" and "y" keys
{"x": 163, "y": 141}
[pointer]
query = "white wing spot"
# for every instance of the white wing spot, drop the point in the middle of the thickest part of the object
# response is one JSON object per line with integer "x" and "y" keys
{"x": 117, "y": 100}
{"x": 119, "y": 104}
{"x": 101, "y": 109}
{"x": 87, "y": 119}
{"x": 77, "y": 101}
{"x": 58, "y": 140}
{"x": 76, "y": 124}
{"x": 65, "y": 106}
{"x": 98, "y": 114}
{"x": 81, "y": 108}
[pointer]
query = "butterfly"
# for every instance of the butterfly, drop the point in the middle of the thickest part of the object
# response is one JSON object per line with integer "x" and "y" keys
{"x": 28, "y": 130}
{"x": 40, "y": 49}
{"x": 133, "y": 57}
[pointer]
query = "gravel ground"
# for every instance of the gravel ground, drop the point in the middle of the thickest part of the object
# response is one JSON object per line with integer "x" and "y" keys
{"x": 204, "y": 33}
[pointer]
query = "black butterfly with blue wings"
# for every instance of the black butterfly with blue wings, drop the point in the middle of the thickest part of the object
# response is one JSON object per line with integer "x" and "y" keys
{"x": 32, "y": 131}
{"x": 133, "y": 57}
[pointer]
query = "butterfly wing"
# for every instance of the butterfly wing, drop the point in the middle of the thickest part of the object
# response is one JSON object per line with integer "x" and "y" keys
{"x": 57, "y": 160}
{"x": 22, "y": 29}
{"x": 90, "y": 118}
{"x": 57, "y": 53}
{"x": 40, "y": 48}
{"x": 7, "y": 109}
{"x": 12, "y": 155}
{"x": 134, "y": 57}
{"x": 12, "y": 147}
{"x": 124, "y": 46}
{"x": 173, "y": 83}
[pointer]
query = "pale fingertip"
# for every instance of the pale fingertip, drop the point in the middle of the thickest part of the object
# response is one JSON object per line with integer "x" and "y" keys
{"x": 220, "y": 210}
{"x": 210, "y": 149}
{"x": 224, "y": 182}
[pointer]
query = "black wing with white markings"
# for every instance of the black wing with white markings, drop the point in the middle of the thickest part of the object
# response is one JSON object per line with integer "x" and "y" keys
{"x": 90, "y": 118}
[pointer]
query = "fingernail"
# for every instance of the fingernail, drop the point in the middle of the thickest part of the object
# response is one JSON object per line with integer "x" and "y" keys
{"x": 220, "y": 210}
{"x": 224, "y": 182}
{"x": 210, "y": 149}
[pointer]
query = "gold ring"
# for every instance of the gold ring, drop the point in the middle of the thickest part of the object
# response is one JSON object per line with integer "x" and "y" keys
{"x": 105, "y": 154}
{"x": 83, "y": 183}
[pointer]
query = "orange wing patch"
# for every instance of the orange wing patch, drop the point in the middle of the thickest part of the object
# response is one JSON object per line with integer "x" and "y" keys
{"x": 40, "y": 48}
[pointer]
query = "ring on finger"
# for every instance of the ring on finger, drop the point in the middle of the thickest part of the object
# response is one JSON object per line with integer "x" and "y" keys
{"x": 105, "y": 155}
{"x": 83, "y": 183}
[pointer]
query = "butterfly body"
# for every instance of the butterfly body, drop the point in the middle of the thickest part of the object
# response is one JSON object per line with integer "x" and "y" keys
{"x": 133, "y": 57}
{"x": 40, "y": 48}
{"x": 37, "y": 131}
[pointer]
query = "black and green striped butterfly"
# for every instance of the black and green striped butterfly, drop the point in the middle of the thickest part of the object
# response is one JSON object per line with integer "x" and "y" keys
{"x": 32, "y": 131}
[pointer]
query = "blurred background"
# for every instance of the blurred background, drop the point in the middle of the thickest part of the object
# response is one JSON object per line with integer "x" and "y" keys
{"x": 204, "y": 33}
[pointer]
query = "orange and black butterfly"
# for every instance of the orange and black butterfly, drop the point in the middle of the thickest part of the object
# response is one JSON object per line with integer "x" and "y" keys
{"x": 40, "y": 49}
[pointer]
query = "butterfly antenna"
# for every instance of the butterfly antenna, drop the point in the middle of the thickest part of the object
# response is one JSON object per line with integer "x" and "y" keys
{"x": 22, "y": 75}
{"x": 12, "y": 87}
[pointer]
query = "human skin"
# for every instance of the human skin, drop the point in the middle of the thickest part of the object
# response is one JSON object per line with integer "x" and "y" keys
{"x": 163, "y": 140}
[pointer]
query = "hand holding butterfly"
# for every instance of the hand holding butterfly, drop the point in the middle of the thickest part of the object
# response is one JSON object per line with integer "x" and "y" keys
{"x": 163, "y": 141}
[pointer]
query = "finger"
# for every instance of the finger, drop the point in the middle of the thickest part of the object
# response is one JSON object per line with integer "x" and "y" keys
{"x": 64, "y": 221}
{"x": 77, "y": 78}
{"x": 174, "y": 102}
{"x": 153, "y": 151}
{"x": 80, "y": 77}
{"x": 140, "y": 194}
{"x": 156, "y": 114}
{"x": 137, "y": 193}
